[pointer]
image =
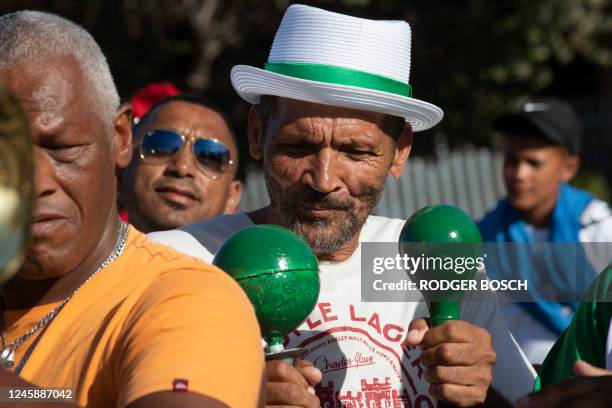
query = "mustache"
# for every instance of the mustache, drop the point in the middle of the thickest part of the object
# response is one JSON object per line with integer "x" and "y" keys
{"x": 184, "y": 185}
{"x": 45, "y": 207}
{"x": 328, "y": 201}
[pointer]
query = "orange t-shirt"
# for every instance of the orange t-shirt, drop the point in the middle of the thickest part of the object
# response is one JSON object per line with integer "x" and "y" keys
{"x": 151, "y": 317}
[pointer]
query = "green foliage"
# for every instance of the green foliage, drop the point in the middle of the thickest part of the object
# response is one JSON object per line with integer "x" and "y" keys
{"x": 481, "y": 57}
{"x": 595, "y": 183}
{"x": 473, "y": 58}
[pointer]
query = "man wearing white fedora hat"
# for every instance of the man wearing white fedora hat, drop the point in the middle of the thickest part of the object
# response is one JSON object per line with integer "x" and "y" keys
{"x": 332, "y": 117}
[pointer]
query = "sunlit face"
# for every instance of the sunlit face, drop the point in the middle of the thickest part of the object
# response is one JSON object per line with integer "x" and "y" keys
{"x": 325, "y": 168}
{"x": 533, "y": 171}
{"x": 74, "y": 163}
{"x": 175, "y": 193}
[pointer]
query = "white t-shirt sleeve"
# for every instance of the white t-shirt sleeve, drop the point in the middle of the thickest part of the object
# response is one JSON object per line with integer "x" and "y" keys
{"x": 513, "y": 375}
{"x": 596, "y": 234}
{"x": 182, "y": 242}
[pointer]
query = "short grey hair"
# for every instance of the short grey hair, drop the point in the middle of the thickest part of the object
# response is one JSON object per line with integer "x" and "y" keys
{"x": 29, "y": 36}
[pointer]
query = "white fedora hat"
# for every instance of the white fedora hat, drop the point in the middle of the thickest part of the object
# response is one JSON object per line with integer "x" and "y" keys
{"x": 334, "y": 59}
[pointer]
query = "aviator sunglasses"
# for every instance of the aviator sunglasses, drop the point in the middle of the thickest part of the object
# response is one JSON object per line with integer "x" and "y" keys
{"x": 160, "y": 146}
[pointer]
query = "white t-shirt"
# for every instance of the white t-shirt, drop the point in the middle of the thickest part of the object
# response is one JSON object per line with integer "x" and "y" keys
{"x": 359, "y": 345}
{"x": 535, "y": 339}
{"x": 539, "y": 234}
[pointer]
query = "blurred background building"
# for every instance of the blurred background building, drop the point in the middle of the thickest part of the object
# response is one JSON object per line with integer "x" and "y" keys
{"x": 474, "y": 58}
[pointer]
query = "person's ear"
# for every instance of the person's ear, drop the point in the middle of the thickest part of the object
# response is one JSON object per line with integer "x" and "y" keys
{"x": 571, "y": 165}
{"x": 402, "y": 151}
{"x": 255, "y": 132}
{"x": 233, "y": 198}
{"x": 122, "y": 127}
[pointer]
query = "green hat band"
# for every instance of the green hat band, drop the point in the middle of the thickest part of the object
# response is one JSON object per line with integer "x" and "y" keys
{"x": 340, "y": 76}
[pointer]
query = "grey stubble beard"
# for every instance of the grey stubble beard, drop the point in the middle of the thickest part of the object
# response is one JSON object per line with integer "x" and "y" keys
{"x": 317, "y": 232}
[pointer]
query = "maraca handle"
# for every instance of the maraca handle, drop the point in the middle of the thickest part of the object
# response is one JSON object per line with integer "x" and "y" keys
{"x": 440, "y": 312}
{"x": 285, "y": 355}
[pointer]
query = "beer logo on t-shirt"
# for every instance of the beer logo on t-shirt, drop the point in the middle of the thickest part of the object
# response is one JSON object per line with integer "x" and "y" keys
{"x": 363, "y": 359}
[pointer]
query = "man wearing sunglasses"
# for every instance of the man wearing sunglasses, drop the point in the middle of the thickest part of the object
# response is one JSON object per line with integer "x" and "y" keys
{"x": 183, "y": 167}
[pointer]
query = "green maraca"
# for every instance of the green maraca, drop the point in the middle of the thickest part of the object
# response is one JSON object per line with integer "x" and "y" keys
{"x": 16, "y": 181}
{"x": 279, "y": 274}
{"x": 446, "y": 232}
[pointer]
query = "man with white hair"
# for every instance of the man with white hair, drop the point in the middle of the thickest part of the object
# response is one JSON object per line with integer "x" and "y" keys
{"x": 97, "y": 308}
{"x": 332, "y": 117}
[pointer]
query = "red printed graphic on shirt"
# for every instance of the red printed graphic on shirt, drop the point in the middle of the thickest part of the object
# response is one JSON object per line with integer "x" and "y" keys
{"x": 363, "y": 360}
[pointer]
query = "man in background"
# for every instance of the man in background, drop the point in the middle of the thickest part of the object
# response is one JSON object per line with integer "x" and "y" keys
{"x": 183, "y": 167}
{"x": 541, "y": 147}
{"x": 142, "y": 101}
{"x": 149, "y": 95}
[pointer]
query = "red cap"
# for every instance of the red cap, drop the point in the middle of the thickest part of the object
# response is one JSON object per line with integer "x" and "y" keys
{"x": 149, "y": 95}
